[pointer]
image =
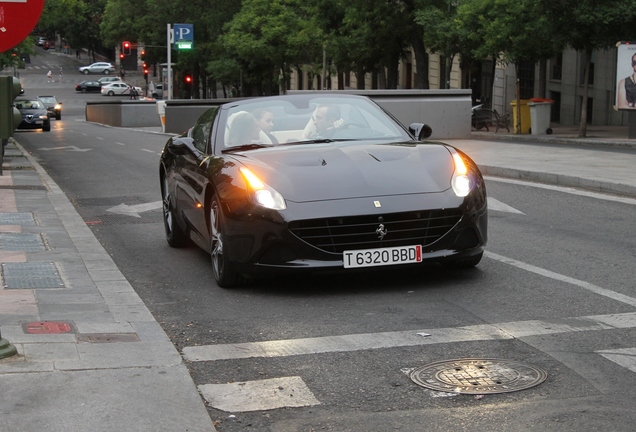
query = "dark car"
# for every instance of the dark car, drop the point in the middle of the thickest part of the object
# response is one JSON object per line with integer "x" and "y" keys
{"x": 89, "y": 87}
{"x": 319, "y": 182}
{"x": 34, "y": 114}
{"x": 53, "y": 107}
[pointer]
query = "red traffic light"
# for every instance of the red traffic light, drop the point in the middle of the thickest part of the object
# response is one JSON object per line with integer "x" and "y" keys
{"x": 121, "y": 56}
{"x": 126, "y": 47}
{"x": 188, "y": 79}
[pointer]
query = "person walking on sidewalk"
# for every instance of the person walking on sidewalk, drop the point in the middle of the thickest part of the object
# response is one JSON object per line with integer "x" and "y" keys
{"x": 49, "y": 76}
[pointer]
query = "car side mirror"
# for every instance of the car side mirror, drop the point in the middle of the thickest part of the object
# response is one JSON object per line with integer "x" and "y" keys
{"x": 181, "y": 146}
{"x": 420, "y": 130}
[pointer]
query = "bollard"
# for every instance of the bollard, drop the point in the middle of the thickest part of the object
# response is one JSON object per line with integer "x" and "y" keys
{"x": 6, "y": 349}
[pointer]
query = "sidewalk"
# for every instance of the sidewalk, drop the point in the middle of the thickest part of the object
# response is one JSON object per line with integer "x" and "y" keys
{"x": 91, "y": 357}
{"x": 602, "y": 162}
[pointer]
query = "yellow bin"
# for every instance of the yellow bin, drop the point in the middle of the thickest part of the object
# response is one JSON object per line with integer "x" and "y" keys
{"x": 525, "y": 116}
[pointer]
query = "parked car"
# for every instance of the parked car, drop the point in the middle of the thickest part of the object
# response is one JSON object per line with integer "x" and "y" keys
{"x": 89, "y": 87}
{"x": 118, "y": 88}
{"x": 34, "y": 114}
{"x": 53, "y": 107}
{"x": 108, "y": 80}
{"x": 99, "y": 67}
{"x": 40, "y": 41}
{"x": 337, "y": 184}
{"x": 157, "y": 92}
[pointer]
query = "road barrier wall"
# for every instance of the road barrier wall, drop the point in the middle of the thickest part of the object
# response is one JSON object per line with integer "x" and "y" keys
{"x": 446, "y": 111}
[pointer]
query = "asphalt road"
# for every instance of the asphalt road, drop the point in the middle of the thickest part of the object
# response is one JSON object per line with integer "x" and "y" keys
{"x": 337, "y": 348}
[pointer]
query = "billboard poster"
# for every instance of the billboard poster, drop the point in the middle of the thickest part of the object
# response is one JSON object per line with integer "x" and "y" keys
{"x": 626, "y": 76}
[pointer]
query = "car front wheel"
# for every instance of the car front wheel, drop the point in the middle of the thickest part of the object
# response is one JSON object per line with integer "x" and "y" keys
{"x": 85, "y": 71}
{"x": 174, "y": 234}
{"x": 224, "y": 275}
{"x": 46, "y": 126}
{"x": 106, "y": 71}
{"x": 111, "y": 93}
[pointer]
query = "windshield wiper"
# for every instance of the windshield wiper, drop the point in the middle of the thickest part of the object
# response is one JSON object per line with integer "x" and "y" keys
{"x": 245, "y": 147}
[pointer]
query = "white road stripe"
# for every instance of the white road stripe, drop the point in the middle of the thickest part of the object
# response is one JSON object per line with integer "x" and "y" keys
{"x": 357, "y": 342}
{"x": 625, "y": 357}
{"x": 496, "y": 205}
{"x": 552, "y": 275}
{"x": 571, "y": 191}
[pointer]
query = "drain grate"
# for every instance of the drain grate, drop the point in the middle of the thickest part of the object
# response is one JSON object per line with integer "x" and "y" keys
{"x": 108, "y": 337}
{"x": 31, "y": 275}
{"x": 478, "y": 376}
{"x": 23, "y": 187}
{"x": 22, "y": 219}
{"x": 21, "y": 242}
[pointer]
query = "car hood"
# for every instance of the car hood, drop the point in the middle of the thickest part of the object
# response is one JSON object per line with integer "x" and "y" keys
{"x": 313, "y": 172}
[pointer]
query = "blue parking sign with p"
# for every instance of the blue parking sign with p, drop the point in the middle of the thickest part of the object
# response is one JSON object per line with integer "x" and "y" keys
{"x": 183, "y": 36}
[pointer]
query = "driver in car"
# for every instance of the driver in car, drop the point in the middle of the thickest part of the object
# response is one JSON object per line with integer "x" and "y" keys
{"x": 325, "y": 121}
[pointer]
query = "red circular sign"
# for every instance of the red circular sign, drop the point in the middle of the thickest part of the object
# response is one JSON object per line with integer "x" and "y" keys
{"x": 17, "y": 20}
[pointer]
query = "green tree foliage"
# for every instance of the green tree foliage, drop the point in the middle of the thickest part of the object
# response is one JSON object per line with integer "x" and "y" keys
{"x": 76, "y": 21}
{"x": 512, "y": 31}
{"x": 588, "y": 25}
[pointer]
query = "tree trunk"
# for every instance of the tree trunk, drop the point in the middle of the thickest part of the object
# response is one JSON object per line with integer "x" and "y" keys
{"x": 518, "y": 106}
{"x": 586, "y": 88}
{"x": 421, "y": 59}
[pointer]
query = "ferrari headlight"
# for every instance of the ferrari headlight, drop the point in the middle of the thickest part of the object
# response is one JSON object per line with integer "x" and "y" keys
{"x": 58, "y": 107}
{"x": 460, "y": 181}
{"x": 262, "y": 194}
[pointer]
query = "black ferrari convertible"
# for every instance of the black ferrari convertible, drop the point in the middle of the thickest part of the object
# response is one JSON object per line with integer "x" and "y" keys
{"x": 319, "y": 181}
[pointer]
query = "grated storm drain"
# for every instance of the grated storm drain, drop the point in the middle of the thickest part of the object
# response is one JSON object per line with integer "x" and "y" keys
{"x": 21, "y": 242}
{"x": 22, "y": 219}
{"x": 31, "y": 275}
{"x": 108, "y": 337}
{"x": 478, "y": 376}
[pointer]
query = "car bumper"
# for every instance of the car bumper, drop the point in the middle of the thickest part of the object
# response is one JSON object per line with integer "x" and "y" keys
{"x": 261, "y": 243}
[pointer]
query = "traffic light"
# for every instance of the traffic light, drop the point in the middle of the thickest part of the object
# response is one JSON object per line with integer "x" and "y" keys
{"x": 126, "y": 48}
{"x": 10, "y": 116}
{"x": 121, "y": 56}
{"x": 187, "y": 79}
{"x": 146, "y": 74}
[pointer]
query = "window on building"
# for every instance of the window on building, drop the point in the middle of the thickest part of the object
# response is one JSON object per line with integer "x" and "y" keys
{"x": 557, "y": 67}
{"x": 590, "y": 81}
{"x": 526, "y": 79}
{"x": 555, "y": 112}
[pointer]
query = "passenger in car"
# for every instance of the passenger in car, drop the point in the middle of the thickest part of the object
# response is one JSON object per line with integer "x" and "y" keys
{"x": 265, "y": 119}
{"x": 244, "y": 129}
{"x": 325, "y": 121}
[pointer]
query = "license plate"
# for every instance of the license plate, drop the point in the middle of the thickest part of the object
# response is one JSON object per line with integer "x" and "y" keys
{"x": 382, "y": 256}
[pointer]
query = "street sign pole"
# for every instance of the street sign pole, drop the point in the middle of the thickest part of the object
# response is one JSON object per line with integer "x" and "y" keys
{"x": 169, "y": 34}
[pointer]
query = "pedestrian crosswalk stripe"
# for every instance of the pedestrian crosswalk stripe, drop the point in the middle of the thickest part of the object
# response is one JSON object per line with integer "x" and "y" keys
{"x": 358, "y": 342}
{"x": 625, "y": 357}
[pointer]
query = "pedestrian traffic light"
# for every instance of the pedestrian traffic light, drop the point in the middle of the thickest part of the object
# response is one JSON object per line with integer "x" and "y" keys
{"x": 126, "y": 48}
{"x": 121, "y": 56}
{"x": 10, "y": 116}
{"x": 188, "y": 79}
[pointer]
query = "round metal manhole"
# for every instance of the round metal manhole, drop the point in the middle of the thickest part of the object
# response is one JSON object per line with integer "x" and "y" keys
{"x": 478, "y": 376}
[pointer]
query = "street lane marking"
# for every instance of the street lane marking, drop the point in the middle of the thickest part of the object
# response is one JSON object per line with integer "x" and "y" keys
{"x": 259, "y": 395}
{"x": 149, "y": 151}
{"x": 625, "y": 357}
{"x": 118, "y": 143}
{"x": 496, "y": 205}
{"x": 134, "y": 210}
{"x": 552, "y": 275}
{"x": 359, "y": 342}
{"x": 572, "y": 191}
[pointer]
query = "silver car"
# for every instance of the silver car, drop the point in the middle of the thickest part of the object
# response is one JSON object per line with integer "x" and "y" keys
{"x": 99, "y": 67}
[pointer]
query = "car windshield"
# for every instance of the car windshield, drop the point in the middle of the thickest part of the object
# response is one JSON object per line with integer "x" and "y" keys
{"x": 29, "y": 104}
{"x": 303, "y": 120}
{"x": 49, "y": 100}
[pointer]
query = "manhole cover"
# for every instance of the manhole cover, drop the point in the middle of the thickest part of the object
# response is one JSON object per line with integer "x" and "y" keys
{"x": 48, "y": 327}
{"x": 478, "y": 376}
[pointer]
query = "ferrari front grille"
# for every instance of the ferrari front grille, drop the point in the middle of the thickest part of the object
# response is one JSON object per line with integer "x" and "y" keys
{"x": 336, "y": 235}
